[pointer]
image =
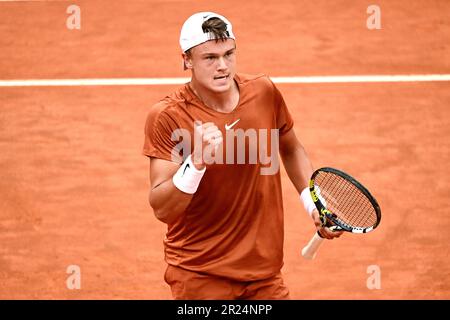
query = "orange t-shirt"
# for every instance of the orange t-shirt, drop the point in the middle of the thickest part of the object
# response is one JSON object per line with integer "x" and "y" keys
{"x": 233, "y": 226}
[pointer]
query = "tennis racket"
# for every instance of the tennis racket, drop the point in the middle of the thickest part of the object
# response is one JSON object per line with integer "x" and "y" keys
{"x": 344, "y": 202}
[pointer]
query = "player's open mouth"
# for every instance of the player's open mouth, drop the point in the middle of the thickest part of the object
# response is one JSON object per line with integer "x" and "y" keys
{"x": 221, "y": 77}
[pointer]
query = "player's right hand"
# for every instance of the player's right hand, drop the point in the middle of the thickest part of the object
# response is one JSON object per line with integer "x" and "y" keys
{"x": 211, "y": 139}
{"x": 324, "y": 230}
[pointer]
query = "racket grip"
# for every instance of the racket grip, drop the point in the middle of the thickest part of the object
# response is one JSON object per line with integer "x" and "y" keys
{"x": 310, "y": 250}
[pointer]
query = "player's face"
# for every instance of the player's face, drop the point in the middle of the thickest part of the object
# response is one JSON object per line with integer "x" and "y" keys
{"x": 213, "y": 64}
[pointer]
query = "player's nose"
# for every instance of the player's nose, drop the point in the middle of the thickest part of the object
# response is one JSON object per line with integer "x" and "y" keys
{"x": 222, "y": 65}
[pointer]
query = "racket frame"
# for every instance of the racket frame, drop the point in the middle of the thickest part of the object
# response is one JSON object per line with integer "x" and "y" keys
{"x": 324, "y": 212}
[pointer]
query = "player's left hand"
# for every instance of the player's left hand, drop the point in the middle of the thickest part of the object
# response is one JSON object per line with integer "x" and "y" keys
{"x": 324, "y": 230}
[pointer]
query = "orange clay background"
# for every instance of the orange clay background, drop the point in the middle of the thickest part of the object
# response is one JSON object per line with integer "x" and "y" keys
{"x": 74, "y": 185}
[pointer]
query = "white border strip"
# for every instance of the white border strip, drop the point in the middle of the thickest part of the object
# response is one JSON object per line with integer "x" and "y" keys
{"x": 93, "y": 82}
{"x": 362, "y": 79}
{"x": 177, "y": 81}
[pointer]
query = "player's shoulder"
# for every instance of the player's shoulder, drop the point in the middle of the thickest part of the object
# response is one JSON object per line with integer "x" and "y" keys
{"x": 259, "y": 83}
{"x": 260, "y": 80}
{"x": 168, "y": 106}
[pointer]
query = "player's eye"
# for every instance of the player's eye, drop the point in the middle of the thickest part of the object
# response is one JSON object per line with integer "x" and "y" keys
{"x": 229, "y": 53}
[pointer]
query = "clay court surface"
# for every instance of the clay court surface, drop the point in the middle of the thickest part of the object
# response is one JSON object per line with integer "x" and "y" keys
{"x": 74, "y": 185}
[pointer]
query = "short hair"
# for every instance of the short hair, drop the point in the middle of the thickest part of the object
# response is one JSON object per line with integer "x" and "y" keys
{"x": 217, "y": 27}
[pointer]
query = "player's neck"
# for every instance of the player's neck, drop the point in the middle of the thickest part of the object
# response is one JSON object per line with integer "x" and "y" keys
{"x": 222, "y": 102}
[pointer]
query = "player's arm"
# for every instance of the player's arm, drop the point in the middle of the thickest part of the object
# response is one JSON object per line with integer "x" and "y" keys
{"x": 298, "y": 166}
{"x": 299, "y": 169}
{"x": 167, "y": 201}
{"x": 172, "y": 185}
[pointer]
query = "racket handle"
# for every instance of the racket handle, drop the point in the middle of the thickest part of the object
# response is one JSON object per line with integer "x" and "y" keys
{"x": 310, "y": 250}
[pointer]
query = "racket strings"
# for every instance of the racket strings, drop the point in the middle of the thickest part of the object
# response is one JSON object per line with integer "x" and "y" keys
{"x": 345, "y": 200}
{"x": 360, "y": 205}
{"x": 355, "y": 212}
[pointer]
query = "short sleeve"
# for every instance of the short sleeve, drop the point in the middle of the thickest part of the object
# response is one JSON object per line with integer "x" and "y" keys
{"x": 158, "y": 131}
{"x": 283, "y": 117}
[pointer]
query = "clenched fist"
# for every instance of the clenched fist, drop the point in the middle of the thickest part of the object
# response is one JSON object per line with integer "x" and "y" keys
{"x": 207, "y": 141}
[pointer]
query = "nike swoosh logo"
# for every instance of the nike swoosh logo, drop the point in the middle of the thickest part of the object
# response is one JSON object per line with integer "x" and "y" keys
{"x": 228, "y": 127}
{"x": 187, "y": 166}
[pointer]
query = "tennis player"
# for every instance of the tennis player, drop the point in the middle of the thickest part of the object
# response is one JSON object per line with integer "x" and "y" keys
{"x": 209, "y": 143}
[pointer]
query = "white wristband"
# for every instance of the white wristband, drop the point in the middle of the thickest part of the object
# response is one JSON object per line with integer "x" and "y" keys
{"x": 188, "y": 177}
{"x": 308, "y": 202}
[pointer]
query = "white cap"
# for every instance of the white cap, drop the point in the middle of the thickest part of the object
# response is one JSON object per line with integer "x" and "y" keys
{"x": 192, "y": 33}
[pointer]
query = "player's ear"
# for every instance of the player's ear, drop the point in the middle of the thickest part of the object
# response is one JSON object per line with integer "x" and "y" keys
{"x": 187, "y": 61}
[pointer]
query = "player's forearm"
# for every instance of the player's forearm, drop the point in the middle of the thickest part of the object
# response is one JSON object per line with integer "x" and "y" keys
{"x": 168, "y": 202}
{"x": 298, "y": 166}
